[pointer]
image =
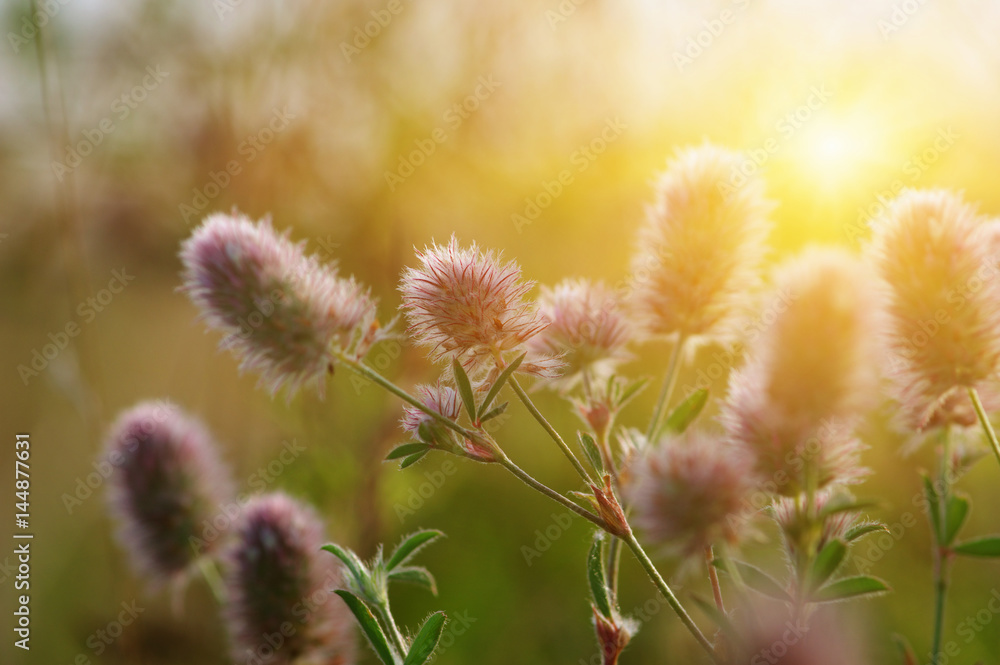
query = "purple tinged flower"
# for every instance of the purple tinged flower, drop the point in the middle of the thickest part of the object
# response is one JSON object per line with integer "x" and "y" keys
{"x": 465, "y": 303}
{"x": 283, "y": 313}
{"x": 277, "y": 577}
{"x": 939, "y": 262}
{"x": 812, "y": 375}
{"x": 166, "y": 480}
{"x": 685, "y": 489}
{"x": 586, "y": 329}
{"x": 701, "y": 247}
{"x": 441, "y": 398}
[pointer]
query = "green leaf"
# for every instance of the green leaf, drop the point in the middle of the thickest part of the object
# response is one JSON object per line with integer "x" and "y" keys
{"x": 499, "y": 383}
{"x": 686, "y": 412}
{"x": 631, "y": 391}
{"x": 826, "y": 563}
{"x": 427, "y": 639}
{"x": 719, "y": 618}
{"x": 415, "y": 575}
{"x": 493, "y": 413}
{"x": 353, "y": 562}
{"x": 863, "y": 529}
{"x": 589, "y": 447}
{"x": 757, "y": 579}
{"x": 464, "y": 388}
{"x": 955, "y": 516}
{"x": 850, "y": 587}
{"x": 410, "y": 460}
{"x": 988, "y": 546}
{"x": 844, "y": 503}
{"x": 407, "y": 449}
{"x": 369, "y": 626}
{"x": 933, "y": 508}
{"x": 597, "y": 577}
{"x": 909, "y": 655}
{"x": 410, "y": 545}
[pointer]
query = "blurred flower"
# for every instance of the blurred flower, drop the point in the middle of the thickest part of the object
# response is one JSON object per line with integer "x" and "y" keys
{"x": 282, "y": 311}
{"x": 277, "y": 576}
{"x": 166, "y": 480}
{"x": 464, "y": 303}
{"x": 793, "y": 523}
{"x": 685, "y": 488}
{"x": 441, "y": 398}
{"x": 701, "y": 246}
{"x": 812, "y": 375}
{"x": 939, "y": 263}
{"x": 586, "y": 329}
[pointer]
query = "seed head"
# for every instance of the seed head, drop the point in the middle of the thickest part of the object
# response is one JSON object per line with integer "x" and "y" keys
{"x": 701, "y": 246}
{"x": 938, "y": 261}
{"x": 166, "y": 480}
{"x": 278, "y": 576}
{"x": 282, "y": 312}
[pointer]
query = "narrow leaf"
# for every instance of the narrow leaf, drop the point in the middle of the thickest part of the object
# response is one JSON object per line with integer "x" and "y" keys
{"x": 988, "y": 546}
{"x": 757, "y": 579}
{"x": 909, "y": 655}
{"x": 493, "y": 413}
{"x": 501, "y": 380}
{"x": 427, "y": 639}
{"x": 410, "y": 545}
{"x": 407, "y": 449}
{"x": 369, "y": 626}
{"x": 861, "y": 530}
{"x": 955, "y": 516}
{"x": 686, "y": 412}
{"x": 850, "y": 587}
{"x": 589, "y": 447}
{"x": 410, "y": 460}
{"x": 845, "y": 504}
{"x": 354, "y": 564}
{"x": 415, "y": 575}
{"x": 933, "y": 508}
{"x": 826, "y": 563}
{"x": 464, "y": 388}
{"x": 597, "y": 577}
{"x": 632, "y": 390}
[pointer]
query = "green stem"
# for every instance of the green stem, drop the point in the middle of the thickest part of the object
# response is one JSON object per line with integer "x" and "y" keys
{"x": 713, "y": 577}
{"x": 675, "y": 604}
{"x": 394, "y": 633}
{"x": 669, "y": 381}
{"x": 523, "y": 476}
{"x": 549, "y": 429}
{"x": 210, "y": 572}
{"x": 940, "y": 552}
{"x": 985, "y": 422}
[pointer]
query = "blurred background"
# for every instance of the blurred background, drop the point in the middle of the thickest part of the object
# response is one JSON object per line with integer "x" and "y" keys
{"x": 368, "y": 128}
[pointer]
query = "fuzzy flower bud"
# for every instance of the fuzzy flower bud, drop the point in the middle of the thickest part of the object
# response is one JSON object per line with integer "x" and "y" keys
{"x": 586, "y": 329}
{"x": 464, "y": 303}
{"x": 812, "y": 375}
{"x": 939, "y": 263}
{"x": 441, "y": 398}
{"x": 165, "y": 481}
{"x": 701, "y": 246}
{"x": 685, "y": 488}
{"x": 282, "y": 312}
{"x": 278, "y": 576}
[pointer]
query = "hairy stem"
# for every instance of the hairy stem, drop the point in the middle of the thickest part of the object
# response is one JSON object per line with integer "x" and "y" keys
{"x": 523, "y": 476}
{"x": 675, "y": 604}
{"x": 553, "y": 434}
{"x": 713, "y": 576}
{"x": 669, "y": 381}
{"x": 985, "y": 422}
{"x": 941, "y": 561}
{"x": 397, "y": 637}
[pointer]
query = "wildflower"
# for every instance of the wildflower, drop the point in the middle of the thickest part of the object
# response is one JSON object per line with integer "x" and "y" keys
{"x": 166, "y": 480}
{"x": 283, "y": 312}
{"x": 939, "y": 264}
{"x": 586, "y": 329}
{"x": 812, "y": 375}
{"x": 464, "y": 303}
{"x": 441, "y": 398}
{"x": 685, "y": 488}
{"x": 772, "y": 634}
{"x": 277, "y": 577}
{"x": 701, "y": 246}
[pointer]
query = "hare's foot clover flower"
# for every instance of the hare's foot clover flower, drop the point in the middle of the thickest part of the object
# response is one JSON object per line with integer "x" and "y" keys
{"x": 284, "y": 314}
{"x": 166, "y": 482}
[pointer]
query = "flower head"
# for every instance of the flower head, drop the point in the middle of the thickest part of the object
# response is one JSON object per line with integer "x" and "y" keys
{"x": 586, "y": 329}
{"x": 939, "y": 264}
{"x": 166, "y": 481}
{"x": 465, "y": 303}
{"x": 686, "y": 488}
{"x": 441, "y": 398}
{"x": 277, "y": 575}
{"x": 812, "y": 374}
{"x": 282, "y": 312}
{"x": 701, "y": 246}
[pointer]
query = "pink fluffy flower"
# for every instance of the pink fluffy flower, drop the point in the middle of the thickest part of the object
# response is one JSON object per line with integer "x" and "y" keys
{"x": 277, "y": 577}
{"x": 701, "y": 247}
{"x": 441, "y": 398}
{"x": 282, "y": 312}
{"x": 939, "y": 263}
{"x": 166, "y": 480}
{"x": 465, "y": 303}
